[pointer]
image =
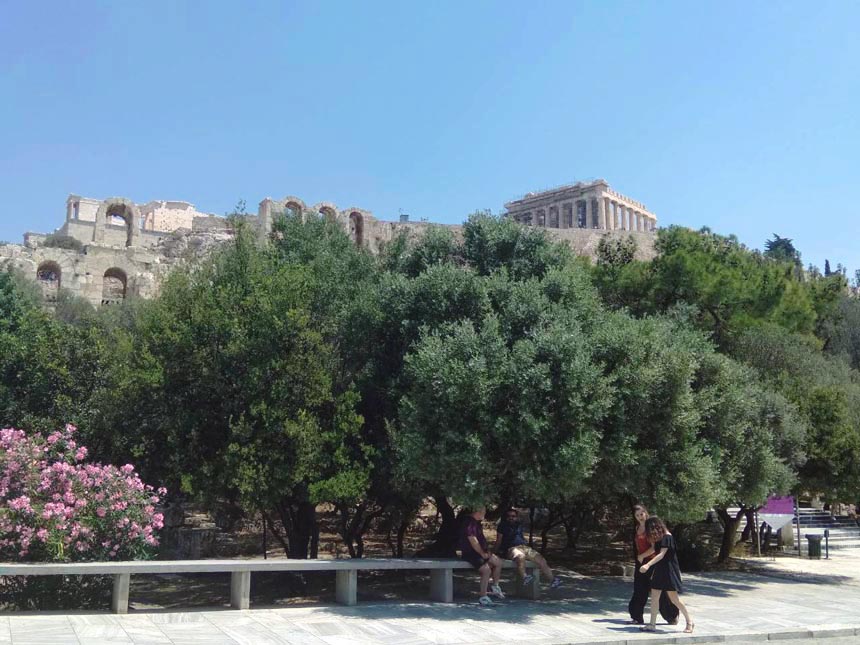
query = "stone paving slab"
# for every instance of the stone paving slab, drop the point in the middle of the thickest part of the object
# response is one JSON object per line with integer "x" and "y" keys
{"x": 727, "y": 607}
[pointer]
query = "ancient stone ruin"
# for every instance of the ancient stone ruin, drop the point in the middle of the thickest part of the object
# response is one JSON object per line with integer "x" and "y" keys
{"x": 108, "y": 250}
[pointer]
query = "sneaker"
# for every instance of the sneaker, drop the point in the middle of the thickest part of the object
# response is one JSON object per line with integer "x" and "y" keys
{"x": 485, "y": 601}
{"x": 556, "y": 583}
{"x": 528, "y": 580}
{"x": 496, "y": 590}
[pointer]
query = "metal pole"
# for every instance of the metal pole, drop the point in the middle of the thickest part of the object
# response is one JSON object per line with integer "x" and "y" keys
{"x": 797, "y": 518}
{"x": 265, "y": 548}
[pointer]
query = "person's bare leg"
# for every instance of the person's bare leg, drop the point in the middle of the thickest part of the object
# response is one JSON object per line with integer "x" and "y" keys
{"x": 676, "y": 600}
{"x": 520, "y": 561}
{"x": 496, "y": 563}
{"x": 544, "y": 568}
{"x": 485, "y": 578}
{"x": 655, "y": 607}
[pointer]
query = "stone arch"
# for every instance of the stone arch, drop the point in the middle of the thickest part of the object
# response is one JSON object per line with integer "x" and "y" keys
{"x": 117, "y": 207}
{"x": 291, "y": 205}
{"x": 49, "y": 275}
{"x": 327, "y": 211}
{"x": 114, "y": 286}
{"x": 357, "y": 219}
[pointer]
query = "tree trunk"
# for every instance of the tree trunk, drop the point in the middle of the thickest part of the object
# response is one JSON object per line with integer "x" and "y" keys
{"x": 748, "y": 529}
{"x": 401, "y": 536}
{"x": 299, "y": 519}
{"x": 444, "y": 544}
{"x": 531, "y": 527}
{"x": 552, "y": 520}
{"x": 730, "y": 529}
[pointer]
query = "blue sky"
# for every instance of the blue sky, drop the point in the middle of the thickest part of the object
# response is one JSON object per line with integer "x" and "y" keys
{"x": 739, "y": 116}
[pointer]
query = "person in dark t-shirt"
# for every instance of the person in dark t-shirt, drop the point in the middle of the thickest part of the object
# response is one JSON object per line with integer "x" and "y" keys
{"x": 513, "y": 546}
{"x": 473, "y": 549}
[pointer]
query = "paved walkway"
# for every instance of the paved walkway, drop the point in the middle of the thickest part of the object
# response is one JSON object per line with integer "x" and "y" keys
{"x": 725, "y": 606}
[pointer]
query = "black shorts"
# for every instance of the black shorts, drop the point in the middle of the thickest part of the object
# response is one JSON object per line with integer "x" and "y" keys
{"x": 474, "y": 559}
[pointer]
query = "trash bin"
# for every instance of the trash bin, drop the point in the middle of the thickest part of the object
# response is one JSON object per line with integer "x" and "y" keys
{"x": 814, "y": 546}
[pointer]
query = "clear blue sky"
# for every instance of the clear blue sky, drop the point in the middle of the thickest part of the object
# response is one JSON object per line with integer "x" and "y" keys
{"x": 742, "y": 116}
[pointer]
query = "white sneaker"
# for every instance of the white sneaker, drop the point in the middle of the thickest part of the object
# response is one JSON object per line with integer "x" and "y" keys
{"x": 485, "y": 601}
{"x": 528, "y": 580}
{"x": 496, "y": 590}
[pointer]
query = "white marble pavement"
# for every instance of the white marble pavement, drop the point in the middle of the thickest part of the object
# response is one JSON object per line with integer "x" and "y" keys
{"x": 726, "y": 606}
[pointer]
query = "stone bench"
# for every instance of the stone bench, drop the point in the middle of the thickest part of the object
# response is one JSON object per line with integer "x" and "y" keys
{"x": 346, "y": 574}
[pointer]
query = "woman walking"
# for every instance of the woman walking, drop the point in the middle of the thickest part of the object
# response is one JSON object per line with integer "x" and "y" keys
{"x": 642, "y": 581}
{"x": 666, "y": 578}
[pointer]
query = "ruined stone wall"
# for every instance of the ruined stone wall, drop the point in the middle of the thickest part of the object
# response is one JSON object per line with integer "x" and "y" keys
{"x": 121, "y": 265}
{"x": 167, "y": 215}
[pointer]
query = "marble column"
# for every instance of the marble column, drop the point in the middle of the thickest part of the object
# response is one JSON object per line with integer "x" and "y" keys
{"x": 601, "y": 213}
{"x": 638, "y": 221}
{"x": 593, "y": 218}
{"x": 630, "y": 223}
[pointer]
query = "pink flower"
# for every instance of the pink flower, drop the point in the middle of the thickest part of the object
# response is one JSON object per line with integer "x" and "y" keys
{"x": 21, "y": 503}
{"x": 101, "y": 511}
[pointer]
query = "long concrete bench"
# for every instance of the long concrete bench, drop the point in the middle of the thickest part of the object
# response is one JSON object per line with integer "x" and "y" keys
{"x": 346, "y": 574}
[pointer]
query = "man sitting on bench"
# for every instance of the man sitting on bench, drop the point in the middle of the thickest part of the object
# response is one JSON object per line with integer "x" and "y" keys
{"x": 512, "y": 545}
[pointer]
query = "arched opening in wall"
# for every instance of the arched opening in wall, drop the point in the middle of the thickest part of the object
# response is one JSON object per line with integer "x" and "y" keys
{"x": 328, "y": 214}
{"x": 120, "y": 215}
{"x": 293, "y": 209}
{"x": 114, "y": 287}
{"x": 49, "y": 276}
{"x": 356, "y": 228}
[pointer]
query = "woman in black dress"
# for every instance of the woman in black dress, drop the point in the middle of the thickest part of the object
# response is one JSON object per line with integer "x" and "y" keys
{"x": 666, "y": 576}
{"x": 641, "y": 581}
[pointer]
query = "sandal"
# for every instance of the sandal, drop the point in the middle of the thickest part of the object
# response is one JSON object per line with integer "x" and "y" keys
{"x": 689, "y": 628}
{"x": 648, "y": 628}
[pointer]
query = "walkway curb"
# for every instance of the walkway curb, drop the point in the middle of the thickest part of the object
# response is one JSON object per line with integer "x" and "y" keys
{"x": 674, "y": 639}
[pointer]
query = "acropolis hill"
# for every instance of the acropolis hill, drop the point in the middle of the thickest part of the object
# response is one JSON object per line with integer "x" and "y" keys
{"x": 117, "y": 248}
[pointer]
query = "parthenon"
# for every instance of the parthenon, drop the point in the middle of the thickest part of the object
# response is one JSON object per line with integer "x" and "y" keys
{"x": 582, "y": 205}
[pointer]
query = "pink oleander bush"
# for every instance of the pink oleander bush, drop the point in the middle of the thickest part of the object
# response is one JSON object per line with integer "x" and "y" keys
{"x": 56, "y": 507}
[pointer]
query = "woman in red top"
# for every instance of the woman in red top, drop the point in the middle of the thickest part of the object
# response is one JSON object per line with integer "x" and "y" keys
{"x": 642, "y": 581}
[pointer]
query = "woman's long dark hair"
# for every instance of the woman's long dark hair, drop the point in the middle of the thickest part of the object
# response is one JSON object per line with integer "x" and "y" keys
{"x": 655, "y": 528}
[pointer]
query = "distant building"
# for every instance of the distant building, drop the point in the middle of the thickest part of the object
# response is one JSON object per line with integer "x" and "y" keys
{"x": 591, "y": 205}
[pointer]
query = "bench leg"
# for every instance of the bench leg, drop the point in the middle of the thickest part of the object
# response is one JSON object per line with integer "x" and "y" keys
{"x": 240, "y": 589}
{"x": 346, "y": 587}
{"x": 532, "y": 590}
{"x": 119, "y": 597}
{"x": 442, "y": 585}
